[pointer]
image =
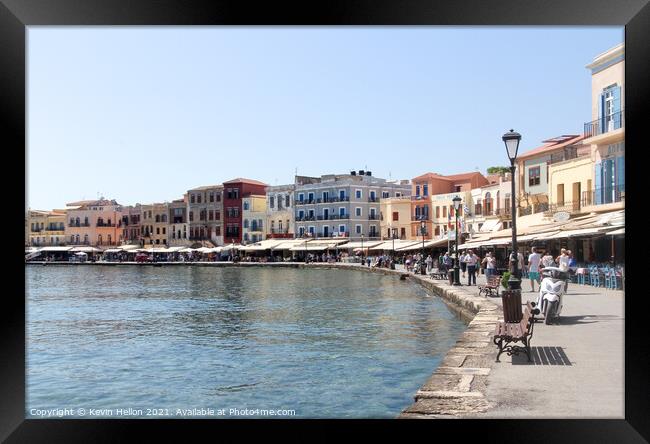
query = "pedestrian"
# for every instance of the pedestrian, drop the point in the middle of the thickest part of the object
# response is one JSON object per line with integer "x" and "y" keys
{"x": 563, "y": 265}
{"x": 534, "y": 260}
{"x": 471, "y": 260}
{"x": 463, "y": 264}
{"x": 490, "y": 265}
{"x": 547, "y": 260}
{"x": 429, "y": 262}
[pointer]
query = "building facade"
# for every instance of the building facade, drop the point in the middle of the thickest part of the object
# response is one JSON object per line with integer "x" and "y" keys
{"x": 346, "y": 205}
{"x": 46, "y": 228}
{"x": 233, "y": 193}
{"x": 130, "y": 225}
{"x": 431, "y": 196}
{"x": 279, "y": 212}
{"x": 205, "y": 214}
{"x": 605, "y": 133}
{"x": 395, "y": 218}
{"x": 155, "y": 223}
{"x": 178, "y": 228}
{"x": 93, "y": 222}
{"x": 253, "y": 218}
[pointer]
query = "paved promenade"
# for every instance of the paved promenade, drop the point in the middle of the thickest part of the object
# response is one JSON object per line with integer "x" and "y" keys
{"x": 577, "y": 369}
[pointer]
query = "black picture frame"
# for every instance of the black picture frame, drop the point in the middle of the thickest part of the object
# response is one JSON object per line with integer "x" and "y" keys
{"x": 16, "y": 15}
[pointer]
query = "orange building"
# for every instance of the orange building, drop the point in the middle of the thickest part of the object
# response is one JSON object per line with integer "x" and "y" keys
{"x": 426, "y": 186}
{"x": 93, "y": 222}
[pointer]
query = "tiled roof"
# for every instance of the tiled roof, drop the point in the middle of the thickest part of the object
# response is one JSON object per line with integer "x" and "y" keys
{"x": 249, "y": 181}
{"x": 551, "y": 145}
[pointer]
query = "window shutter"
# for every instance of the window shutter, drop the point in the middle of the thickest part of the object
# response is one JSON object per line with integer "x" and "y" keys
{"x": 617, "y": 106}
{"x": 620, "y": 173}
{"x": 598, "y": 176}
{"x": 601, "y": 114}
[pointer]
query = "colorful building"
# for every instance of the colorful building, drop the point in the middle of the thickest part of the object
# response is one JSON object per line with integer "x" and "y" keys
{"x": 154, "y": 223}
{"x": 205, "y": 214}
{"x": 253, "y": 218}
{"x": 178, "y": 228}
{"x": 279, "y": 212}
{"x": 605, "y": 133}
{"x": 233, "y": 193}
{"x": 93, "y": 222}
{"x": 46, "y": 227}
{"x": 130, "y": 225}
{"x": 395, "y": 218}
{"x": 437, "y": 212}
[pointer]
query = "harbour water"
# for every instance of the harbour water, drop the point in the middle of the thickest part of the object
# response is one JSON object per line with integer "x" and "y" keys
{"x": 125, "y": 341}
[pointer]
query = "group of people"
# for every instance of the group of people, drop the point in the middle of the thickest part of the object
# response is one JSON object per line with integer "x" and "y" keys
{"x": 536, "y": 263}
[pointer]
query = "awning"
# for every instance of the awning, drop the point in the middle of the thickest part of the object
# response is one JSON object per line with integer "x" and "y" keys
{"x": 185, "y": 250}
{"x": 113, "y": 250}
{"x": 366, "y": 245}
{"x": 288, "y": 245}
{"x": 81, "y": 253}
{"x": 617, "y": 232}
{"x": 86, "y": 249}
{"x": 309, "y": 248}
{"x": 129, "y": 247}
{"x": 388, "y": 245}
{"x": 46, "y": 249}
{"x": 427, "y": 244}
{"x": 490, "y": 225}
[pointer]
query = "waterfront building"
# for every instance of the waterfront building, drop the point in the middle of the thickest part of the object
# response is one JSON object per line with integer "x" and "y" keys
{"x": 154, "y": 223}
{"x": 205, "y": 214}
{"x": 233, "y": 193}
{"x": 395, "y": 218}
{"x": 253, "y": 218}
{"x": 279, "y": 212}
{"x": 533, "y": 173}
{"x": 93, "y": 222}
{"x": 46, "y": 227}
{"x": 431, "y": 201}
{"x": 130, "y": 225}
{"x": 178, "y": 228}
{"x": 605, "y": 133}
{"x": 344, "y": 205}
{"x": 492, "y": 206}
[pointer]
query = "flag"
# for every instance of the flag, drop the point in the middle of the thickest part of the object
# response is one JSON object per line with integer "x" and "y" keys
{"x": 466, "y": 210}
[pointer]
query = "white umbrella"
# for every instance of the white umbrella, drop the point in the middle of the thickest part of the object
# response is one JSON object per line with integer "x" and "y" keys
{"x": 81, "y": 253}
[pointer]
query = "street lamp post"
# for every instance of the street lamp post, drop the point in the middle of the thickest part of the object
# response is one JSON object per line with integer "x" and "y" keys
{"x": 423, "y": 227}
{"x": 362, "y": 263}
{"x": 456, "y": 201}
{"x": 511, "y": 140}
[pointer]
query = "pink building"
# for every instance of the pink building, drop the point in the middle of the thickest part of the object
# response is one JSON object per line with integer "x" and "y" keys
{"x": 93, "y": 222}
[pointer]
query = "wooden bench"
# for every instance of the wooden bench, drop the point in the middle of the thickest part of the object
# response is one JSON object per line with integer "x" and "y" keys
{"x": 491, "y": 287}
{"x": 507, "y": 333}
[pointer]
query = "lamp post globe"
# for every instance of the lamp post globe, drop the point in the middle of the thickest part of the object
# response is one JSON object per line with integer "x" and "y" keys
{"x": 511, "y": 140}
{"x": 457, "y": 200}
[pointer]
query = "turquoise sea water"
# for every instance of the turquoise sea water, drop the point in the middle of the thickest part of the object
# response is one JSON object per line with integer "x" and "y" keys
{"x": 324, "y": 343}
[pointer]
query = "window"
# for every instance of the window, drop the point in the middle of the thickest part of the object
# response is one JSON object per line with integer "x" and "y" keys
{"x": 417, "y": 190}
{"x": 437, "y": 212}
{"x": 157, "y": 230}
{"x": 192, "y": 198}
{"x": 444, "y": 211}
{"x": 385, "y": 194}
{"x": 301, "y": 197}
{"x": 425, "y": 190}
{"x": 211, "y": 196}
{"x": 218, "y": 196}
{"x": 357, "y": 211}
{"x": 272, "y": 202}
{"x": 245, "y": 223}
{"x": 342, "y": 211}
{"x": 211, "y": 215}
{"x": 341, "y": 194}
{"x": 398, "y": 194}
{"x": 373, "y": 213}
{"x": 395, "y": 215}
{"x": 533, "y": 176}
{"x": 217, "y": 231}
{"x": 198, "y": 198}
{"x": 310, "y": 197}
{"x": 357, "y": 194}
{"x": 341, "y": 228}
{"x": 164, "y": 230}
{"x": 373, "y": 195}
{"x": 191, "y": 216}
{"x": 287, "y": 201}
{"x": 357, "y": 229}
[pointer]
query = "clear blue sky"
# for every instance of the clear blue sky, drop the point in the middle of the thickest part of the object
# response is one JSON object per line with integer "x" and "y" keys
{"x": 144, "y": 114}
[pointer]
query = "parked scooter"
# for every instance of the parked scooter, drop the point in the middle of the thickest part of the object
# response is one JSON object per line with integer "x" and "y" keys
{"x": 551, "y": 292}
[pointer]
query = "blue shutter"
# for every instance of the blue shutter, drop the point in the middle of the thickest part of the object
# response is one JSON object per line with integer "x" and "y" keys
{"x": 616, "y": 93}
{"x": 620, "y": 173}
{"x": 598, "y": 176}
{"x": 608, "y": 180}
{"x": 601, "y": 114}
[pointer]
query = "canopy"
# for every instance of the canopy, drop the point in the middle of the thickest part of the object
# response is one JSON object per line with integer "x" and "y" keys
{"x": 427, "y": 244}
{"x": 46, "y": 249}
{"x": 81, "y": 253}
{"x": 308, "y": 247}
{"x": 366, "y": 245}
{"x": 490, "y": 225}
{"x": 113, "y": 250}
{"x": 617, "y": 232}
{"x": 575, "y": 233}
{"x": 86, "y": 249}
{"x": 204, "y": 250}
{"x": 129, "y": 247}
{"x": 388, "y": 245}
{"x": 268, "y": 244}
{"x": 185, "y": 250}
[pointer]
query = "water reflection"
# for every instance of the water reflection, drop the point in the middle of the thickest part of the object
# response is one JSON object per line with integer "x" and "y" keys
{"x": 327, "y": 343}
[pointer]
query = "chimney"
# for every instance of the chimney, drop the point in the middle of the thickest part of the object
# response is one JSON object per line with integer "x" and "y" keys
{"x": 353, "y": 173}
{"x": 368, "y": 173}
{"x": 361, "y": 173}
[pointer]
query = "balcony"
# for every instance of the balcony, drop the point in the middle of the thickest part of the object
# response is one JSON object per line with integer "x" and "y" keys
{"x": 373, "y": 199}
{"x": 503, "y": 212}
{"x": 604, "y": 196}
{"x": 605, "y": 124}
{"x": 416, "y": 218}
{"x": 373, "y": 217}
{"x": 79, "y": 225}
{"x": 105, "y": 225}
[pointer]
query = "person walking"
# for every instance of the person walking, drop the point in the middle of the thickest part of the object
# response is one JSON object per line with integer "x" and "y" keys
{"x": 490, "y": 265}
{"x": 534, "y": 260}
{"x": 471, "y": 260}
{"x": 429, "y": 262}
{"x": 547, "y": 260}
{"x": 563, "y": 265}
{"x": 463, "y": 264}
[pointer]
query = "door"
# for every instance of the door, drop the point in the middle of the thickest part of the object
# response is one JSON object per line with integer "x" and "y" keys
{"x": 576, "y": 196}
{"x": 326, "y": 213}
{"x": 326, "y": 231}
{"x": 559, "y": 200}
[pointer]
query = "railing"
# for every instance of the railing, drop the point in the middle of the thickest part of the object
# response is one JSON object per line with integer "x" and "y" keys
{"x": 605, "y": 124}
{"x": 568, "y": 206}
{"x": 105, "y": 225}
{"x": 373, "y": 217}
{"x": 502, "y": 212}
{"x": 79, "y": 225}
{"x": 603, "y": 196}
{"x": 373, "y": 199}
{"x": 416, "y": 218}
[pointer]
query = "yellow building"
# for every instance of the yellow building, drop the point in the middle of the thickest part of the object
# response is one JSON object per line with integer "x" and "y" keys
{"x": 46, "y": 227}
{"x": 253, "y": 217}
{"x": 444, "y": 217}
{"x": 154, "y": 223}
{"x": 395, "y": 215}
{"x": 567, "y": 183}
{"x": 605, "y": 134}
